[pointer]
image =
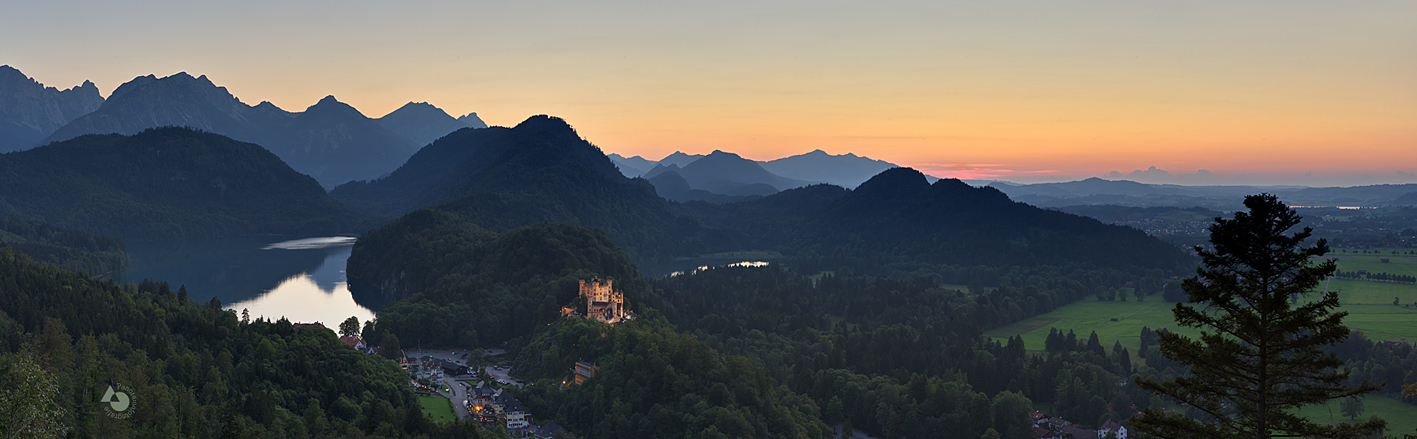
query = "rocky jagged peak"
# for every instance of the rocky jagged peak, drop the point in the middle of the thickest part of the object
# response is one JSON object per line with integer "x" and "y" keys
{"x": 11, "y": 74}
{"x": 134, "y": 84}
{"x": 472, "y": 120}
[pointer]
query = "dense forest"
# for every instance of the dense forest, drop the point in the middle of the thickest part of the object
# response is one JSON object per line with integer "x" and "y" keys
{"x": 463, "y": 286}
{"x": 69, "y": 248}
{"x": 195, "y": 370}
{"x": 739, "y": 352}
{"x": 653, "y": 382}
{"x": 906, "y": 357}
{"x": 167, "y": 183}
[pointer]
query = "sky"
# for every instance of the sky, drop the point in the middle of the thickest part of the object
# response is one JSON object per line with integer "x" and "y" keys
{"x": 1264, "y": 92}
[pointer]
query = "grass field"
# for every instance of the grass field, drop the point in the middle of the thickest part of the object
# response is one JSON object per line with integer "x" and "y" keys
{"x": 1401, "y": 417}
{"x": 1087, "y": 315}
{"x": 1369, "y": 306}
{"x": 440, "y": 408}
{"x": 1397, "y": 264}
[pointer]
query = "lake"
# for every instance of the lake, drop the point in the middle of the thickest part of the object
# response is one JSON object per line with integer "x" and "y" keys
{"x": 299, "y": 278}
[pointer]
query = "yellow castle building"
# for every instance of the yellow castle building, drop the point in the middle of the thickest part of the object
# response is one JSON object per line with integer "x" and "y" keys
{"x": 603, "y": 303}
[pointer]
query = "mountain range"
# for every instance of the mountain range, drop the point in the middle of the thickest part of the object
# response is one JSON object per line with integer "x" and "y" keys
{"x": 423, "y": 123}
{"x": 497, "y": 179}
{"x": 723, "y": 177}
{"x": 1097, "y": 191}
{"x": 330, "y": 140}
{"x": 728, "y": 174}
{"x": 29, "y": 111}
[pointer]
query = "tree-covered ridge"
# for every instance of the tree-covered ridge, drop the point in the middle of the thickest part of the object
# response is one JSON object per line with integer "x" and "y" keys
{"x": 899, "y": 216}
{"x": 69, "y": 248}
{"x": 459, "y": 285}
{"x": 539, "y": 171}
{"x": 196, "y": 370}
{"x": 166, "y": 183}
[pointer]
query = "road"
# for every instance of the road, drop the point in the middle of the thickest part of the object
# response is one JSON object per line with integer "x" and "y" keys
{"x": 459, "y": 395}
{"x": 503, "y": 375}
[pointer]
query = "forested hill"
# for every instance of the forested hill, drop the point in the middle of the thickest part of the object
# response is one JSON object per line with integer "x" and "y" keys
{"x": 69, "y": 248}
{"x": 195, "y": 370}
{"x": 899, "y": 216}
{"x": 469, "y": 161}
{"x": 166, "y": 183}
{"x": 538, "y": 171}
{"x": 459, "y": 285}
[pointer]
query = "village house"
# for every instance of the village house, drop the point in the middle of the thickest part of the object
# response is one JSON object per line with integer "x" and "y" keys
{"x": 1112, "y": 428}
{"x": 548, "y": 431}
{"x": 354, "y": 341}
{"x": 492, "y": 405}
{"x": 1073, "y": 432}
{"x": 582, "y": 372}
{"x": 1043, "y": 433}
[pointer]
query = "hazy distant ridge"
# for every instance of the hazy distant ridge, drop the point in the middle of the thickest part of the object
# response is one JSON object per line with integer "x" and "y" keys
{"x": 330, "y": 140}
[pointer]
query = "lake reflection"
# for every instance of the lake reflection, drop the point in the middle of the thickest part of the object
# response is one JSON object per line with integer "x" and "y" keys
{"x": 300, "y": 279}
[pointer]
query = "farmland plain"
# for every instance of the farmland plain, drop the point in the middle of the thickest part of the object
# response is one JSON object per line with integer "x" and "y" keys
{"x": 1369, "y": 304}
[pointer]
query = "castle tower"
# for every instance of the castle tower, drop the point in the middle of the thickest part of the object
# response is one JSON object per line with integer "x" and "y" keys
{"x": 603, "y": 303}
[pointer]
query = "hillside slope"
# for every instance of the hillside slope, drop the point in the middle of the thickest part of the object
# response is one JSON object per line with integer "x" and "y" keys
{"x": 166, "y": 183}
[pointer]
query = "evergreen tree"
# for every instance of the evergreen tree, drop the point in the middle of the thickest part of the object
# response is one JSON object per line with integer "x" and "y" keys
{"x": 1264, "y": 357}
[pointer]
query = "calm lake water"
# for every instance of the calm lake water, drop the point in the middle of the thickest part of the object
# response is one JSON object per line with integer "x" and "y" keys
{"x": 299, "y": 278}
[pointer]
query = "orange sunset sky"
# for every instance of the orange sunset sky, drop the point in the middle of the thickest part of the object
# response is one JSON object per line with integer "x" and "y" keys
{"x": 1013, "y": 90}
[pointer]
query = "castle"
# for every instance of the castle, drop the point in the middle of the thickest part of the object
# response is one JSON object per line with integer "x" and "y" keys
{"x": 601, "y": 302}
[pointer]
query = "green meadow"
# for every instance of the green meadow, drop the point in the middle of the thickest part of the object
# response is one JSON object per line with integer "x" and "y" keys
{"x": 1401, "y": 417}
{"x": 1089, "y": 315}
{"x": 440, "y": 408}
{"x": 1368, "y": 303}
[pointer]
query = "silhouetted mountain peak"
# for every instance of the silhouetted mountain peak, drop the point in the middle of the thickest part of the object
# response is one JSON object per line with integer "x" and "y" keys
{"x": 329, "y": 106}
{"x": 951, "y": 184}
{"x": 134, "y": 84}
{"x": 419, "y": 110}
{"x": 722, "y": 155}
{"x": 544, "y": 125}
{"x": 660, "y": 169}
{"x": 472, "y": 120}
{"x": 894, "y": 182}
{"x": 896, "y": 179}
{"x": 542, "y": 122}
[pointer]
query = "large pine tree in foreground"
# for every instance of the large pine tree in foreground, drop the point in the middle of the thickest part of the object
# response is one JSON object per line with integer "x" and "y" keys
{"x": 1260, "y": 355}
